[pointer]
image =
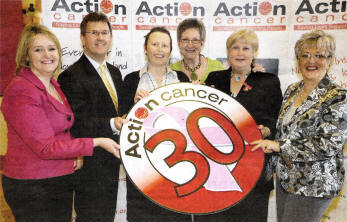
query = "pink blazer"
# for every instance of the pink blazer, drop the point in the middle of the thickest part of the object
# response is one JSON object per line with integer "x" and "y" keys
{"x": 39, "y": 140}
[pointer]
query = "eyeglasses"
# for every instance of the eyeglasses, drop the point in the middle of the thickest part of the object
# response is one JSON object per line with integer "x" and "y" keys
{"x": 318, "y": 56}
{"x": 96, "y": 33}
{"x": 194, "y": 41}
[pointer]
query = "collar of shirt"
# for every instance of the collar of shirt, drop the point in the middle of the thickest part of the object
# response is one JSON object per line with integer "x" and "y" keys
{"x": 95, "y": 64}
{"x": 148, "y": 83}
{"x": 169, "y": 72}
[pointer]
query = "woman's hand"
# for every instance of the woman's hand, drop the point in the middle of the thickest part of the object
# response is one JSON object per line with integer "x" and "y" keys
{"x": 108, "y": 144}
{"x": 78, "y": 163}
{"x": 258, "y": 68}
{"x": 140, "y": 94}
{"x": 268, "y": 146}
{"x": 265, "y": 131}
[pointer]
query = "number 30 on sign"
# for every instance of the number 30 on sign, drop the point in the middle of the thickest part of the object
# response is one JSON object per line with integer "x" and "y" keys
{"x": 186, "y": 148}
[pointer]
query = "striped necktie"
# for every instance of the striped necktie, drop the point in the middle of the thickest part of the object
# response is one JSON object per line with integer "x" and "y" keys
{"x": 108, "y": 86}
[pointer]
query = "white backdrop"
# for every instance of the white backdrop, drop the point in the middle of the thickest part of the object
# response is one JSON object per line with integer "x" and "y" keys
{"x": 278, "y": 24}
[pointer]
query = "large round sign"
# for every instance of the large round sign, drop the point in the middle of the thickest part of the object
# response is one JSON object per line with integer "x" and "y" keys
{"x": 186, "y": 147}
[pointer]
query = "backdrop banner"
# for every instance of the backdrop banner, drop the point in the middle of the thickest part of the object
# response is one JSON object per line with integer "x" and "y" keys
{"x": 278, "y": 24}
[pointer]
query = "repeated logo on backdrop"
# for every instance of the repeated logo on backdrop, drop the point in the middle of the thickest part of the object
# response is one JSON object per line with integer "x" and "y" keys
{"x": 187, "y": 146}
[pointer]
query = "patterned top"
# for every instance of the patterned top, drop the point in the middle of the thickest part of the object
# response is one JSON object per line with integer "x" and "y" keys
{"x": 310, "y": 162}
{"x": 147, "y": 81}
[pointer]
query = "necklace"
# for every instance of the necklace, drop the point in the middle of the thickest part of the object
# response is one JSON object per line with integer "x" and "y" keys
{"x": 238, "y": 77}
{"x": 194, "y": 76}
{"x": 154, "y": 85}
{"x": 303, "y": 96}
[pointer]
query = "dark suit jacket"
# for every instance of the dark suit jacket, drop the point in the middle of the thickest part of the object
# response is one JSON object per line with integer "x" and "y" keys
{"x": 97, "y": 182}
{"x": 89, "y": 98}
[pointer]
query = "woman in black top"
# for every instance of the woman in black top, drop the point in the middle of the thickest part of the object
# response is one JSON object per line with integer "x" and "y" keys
{"x": 261, "y": 95}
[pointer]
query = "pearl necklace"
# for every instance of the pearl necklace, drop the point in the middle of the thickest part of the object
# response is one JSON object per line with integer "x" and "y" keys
{"x": 194, "y": 76}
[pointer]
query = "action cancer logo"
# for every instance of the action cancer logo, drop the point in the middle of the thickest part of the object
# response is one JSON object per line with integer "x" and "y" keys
{"x": 187, "y": 146}
{"x": 265, "y": 8}
{"x": 185, "y": 8}
{"x": 106, "y": 6}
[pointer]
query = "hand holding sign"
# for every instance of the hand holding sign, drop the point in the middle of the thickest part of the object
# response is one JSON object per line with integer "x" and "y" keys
{"x": 184, "y": 141}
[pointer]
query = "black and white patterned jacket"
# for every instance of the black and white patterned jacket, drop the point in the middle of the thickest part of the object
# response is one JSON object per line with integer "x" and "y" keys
{"x": 310, "y": 162}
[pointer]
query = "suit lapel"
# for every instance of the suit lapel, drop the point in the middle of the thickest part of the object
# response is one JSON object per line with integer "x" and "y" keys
{"x": 63, "y": 108}
{"x": 313, "y": 101}
{"x": 92, "y": 74}
{"x": 316, "y": 97}
{"x": 96, "y": 80}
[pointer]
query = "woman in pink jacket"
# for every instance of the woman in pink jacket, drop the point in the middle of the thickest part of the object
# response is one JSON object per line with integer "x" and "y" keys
{"x": 41, "y": 155}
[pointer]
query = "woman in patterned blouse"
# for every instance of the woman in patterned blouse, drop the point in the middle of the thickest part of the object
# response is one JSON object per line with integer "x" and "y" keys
{"x": 312, "y": 129}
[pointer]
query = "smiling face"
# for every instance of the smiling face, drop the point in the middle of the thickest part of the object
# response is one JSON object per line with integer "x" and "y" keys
{"x": 190, "y": 44}
{"x": 158, "y": 49}
{"x": 313, "y": 63}
{"x": 97, "y": 46}
{"x": 240, "y": 55}
{"x": 43, "y": 56}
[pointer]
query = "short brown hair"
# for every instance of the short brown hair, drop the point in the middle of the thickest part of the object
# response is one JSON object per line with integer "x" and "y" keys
{"x": 94, "y": 17}
{"x": 158, "y": 29}
{"x": 25, "y": 40}
{"x": 191, "y": 23}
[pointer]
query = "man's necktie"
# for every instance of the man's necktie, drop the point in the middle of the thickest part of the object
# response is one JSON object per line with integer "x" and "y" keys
{"x": 108, "y": 86}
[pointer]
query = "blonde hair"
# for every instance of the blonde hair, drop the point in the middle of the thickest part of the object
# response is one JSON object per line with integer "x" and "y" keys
{"x": 25, "y": 41}
{"x": 316, "y": 39}
{"x": 246, "y": 35}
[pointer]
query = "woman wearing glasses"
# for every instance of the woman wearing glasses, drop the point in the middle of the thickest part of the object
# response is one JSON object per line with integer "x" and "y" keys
{"x": 312, "y": 130}
{"x": 191, "y": 35}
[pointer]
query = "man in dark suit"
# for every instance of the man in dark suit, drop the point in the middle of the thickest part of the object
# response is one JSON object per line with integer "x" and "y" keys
{"x": 94, "y": 90}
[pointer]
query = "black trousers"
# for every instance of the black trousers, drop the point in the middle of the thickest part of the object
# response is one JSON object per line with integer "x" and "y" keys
{"x": 254, "y": 208}
{"x": 141, "y": 209}
{"x": 96, "y": 188}
{"x": 40, "y": 200}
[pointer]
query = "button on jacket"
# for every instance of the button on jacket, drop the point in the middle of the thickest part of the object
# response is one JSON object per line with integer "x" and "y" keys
{"x": 39, "y": 140}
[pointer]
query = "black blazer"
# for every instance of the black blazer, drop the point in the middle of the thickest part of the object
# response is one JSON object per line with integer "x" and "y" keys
{"x": 262, "y": 100}
{"x": 131, "y": 81}
{"x": 89, "y": 98}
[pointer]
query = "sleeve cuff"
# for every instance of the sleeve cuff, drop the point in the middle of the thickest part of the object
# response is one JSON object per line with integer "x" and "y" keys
{"x": 115, "y": 131}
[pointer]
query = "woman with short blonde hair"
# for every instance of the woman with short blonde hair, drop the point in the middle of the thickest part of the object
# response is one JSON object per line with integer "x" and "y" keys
{"x": 260, "y": 93}
{"x": 311, "y": 133}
